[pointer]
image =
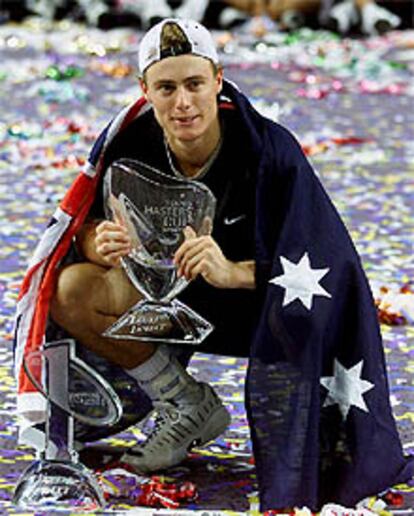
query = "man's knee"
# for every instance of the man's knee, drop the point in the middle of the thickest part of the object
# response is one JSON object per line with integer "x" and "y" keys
{"x": 75, "y": 286}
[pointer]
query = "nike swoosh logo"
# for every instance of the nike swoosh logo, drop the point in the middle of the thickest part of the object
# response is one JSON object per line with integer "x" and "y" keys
{"x": 232, "y": 220}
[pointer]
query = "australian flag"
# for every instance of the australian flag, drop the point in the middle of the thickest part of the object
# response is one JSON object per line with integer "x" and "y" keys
{"x": 316, "y": 392}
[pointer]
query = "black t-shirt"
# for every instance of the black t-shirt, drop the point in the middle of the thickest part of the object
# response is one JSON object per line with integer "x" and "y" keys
{"x": 232, "y": 182}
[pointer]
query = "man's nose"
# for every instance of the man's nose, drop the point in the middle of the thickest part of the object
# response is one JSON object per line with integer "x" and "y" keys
{"x": 183, "y": 99}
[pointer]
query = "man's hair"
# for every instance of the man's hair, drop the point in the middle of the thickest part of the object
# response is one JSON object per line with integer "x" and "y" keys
{"x": 173, "y": 41}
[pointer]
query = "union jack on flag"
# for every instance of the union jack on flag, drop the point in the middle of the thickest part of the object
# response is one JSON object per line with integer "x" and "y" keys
{"x": 39, "y": 282}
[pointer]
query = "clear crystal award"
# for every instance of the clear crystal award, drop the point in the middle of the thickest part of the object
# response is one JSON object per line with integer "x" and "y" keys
{"x": 155, "y": 208}
{"x": 74, "y": 391}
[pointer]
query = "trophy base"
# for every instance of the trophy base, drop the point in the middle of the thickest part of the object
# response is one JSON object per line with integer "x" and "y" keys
{"x": 49, "y": 484}
{"x": 170, "y": 323}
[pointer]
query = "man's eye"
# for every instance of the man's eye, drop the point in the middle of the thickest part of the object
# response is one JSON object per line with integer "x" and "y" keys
{"x": 195, "y": 84}
{"x": 166, "y": 88}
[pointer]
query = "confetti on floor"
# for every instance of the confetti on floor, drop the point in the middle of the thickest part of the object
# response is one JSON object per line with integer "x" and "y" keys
{"x": 349, "y": 102}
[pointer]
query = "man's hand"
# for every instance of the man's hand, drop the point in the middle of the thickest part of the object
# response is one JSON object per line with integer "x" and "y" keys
{"x": 112, "y": 242}
{"x": 202, "y": 256}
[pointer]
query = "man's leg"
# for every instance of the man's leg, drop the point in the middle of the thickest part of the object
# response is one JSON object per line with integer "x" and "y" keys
{"x": 251, "y": 7}
{"x": 88, "y": 299}
{"x": 276, "y": 8}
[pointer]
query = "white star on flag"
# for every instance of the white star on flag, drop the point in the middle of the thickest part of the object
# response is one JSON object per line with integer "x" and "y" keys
{"x": 346, "y": 388}
{"x": 300, "y": 281}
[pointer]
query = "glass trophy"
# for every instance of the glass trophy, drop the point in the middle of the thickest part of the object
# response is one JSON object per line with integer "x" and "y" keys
{"x": 155, "y": 208}
{"x": 74, "y": 391}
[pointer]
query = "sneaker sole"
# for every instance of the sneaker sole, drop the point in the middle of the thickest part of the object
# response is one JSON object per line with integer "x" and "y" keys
{"x": 219, "y": 421}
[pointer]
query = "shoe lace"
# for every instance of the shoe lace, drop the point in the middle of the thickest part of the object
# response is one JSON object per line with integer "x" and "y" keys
{"x": 164, "y": 411}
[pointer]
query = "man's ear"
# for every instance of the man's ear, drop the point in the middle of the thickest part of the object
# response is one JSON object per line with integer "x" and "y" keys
{"x": 144, "y": 87}
{"x": 219, "y": 79}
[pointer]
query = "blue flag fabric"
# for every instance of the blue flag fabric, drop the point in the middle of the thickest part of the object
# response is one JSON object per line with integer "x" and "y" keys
{"x": 317, "y": 394}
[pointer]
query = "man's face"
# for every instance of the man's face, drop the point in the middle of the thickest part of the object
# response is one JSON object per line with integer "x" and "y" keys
{"x": 183, "y": 91}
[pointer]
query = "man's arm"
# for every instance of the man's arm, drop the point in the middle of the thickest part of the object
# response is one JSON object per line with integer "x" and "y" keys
{"x": 202, "y": 256}
{"x": 243, "y": 274}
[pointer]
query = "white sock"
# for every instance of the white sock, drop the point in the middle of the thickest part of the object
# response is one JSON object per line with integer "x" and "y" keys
{"x": 162, "y": 377}
{"x": 152, "y": 367}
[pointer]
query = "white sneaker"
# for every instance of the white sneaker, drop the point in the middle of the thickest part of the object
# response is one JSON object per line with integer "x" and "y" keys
{"x": 93, "y": 9}
{"x": 343, "y": 17}
{"x": 150, "y": 11}
{"x": 44, "y": 8}
{"x": 377, "y": 20}
{"x": 179, "y": 427}
{"x": 230, "y": 16}
{"x": 192, "y": 9}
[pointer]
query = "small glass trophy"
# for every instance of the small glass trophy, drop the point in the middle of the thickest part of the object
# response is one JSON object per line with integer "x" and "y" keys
{"x": 155, "y": 209}
{"x": 57, "y": 480}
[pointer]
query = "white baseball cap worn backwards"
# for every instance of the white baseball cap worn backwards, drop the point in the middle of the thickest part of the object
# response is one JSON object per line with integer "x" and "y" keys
{"x": 197, "y": 40}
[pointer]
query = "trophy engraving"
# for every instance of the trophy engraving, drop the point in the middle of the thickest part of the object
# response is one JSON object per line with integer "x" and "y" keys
{"x": 155, "y": 209}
